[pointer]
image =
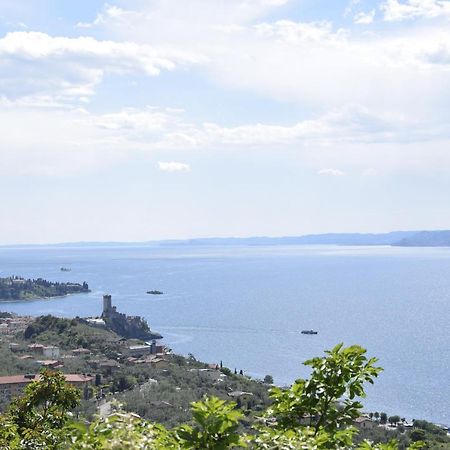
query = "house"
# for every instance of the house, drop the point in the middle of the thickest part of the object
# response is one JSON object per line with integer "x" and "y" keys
{"x": 12, "y": 386}
{"x": 240, "y": 394}
{"x": 81, "y": 351}
{"x": 51, "y": 363}
{"x": 36, "y": 348}
{"x": 157, "y": 348}
{"x": 365, "y": 422}
{"x": 51, "y": 351}
{"x": 139, "y": 350}
{"x": 14, "y": 347}
{"x": 96, "y": 322}
{"x": 109, "y": 367}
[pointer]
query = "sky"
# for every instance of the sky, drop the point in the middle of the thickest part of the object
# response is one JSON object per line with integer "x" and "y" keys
{"x": 168, "y": 119}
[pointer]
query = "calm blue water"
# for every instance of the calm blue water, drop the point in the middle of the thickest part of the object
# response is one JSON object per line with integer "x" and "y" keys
{"x": 247, "y": 305}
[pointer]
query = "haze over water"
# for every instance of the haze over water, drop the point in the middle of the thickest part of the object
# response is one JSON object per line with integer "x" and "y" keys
{"x": 247, "y": 305}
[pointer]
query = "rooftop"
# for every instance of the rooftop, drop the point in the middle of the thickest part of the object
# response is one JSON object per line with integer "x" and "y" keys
{"x": 21, "y": 379}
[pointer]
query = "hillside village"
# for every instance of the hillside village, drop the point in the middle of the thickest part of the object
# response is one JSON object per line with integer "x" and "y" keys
{"x": 146, "y": 377}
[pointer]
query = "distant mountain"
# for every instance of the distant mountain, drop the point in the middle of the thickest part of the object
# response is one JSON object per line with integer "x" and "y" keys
{"x": 392, "y": 238}
{"x": 426, "y": 239}
{"x": 310, "y": 239}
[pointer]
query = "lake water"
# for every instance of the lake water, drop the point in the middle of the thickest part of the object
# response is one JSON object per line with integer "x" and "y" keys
{"x": 246, "y": 306}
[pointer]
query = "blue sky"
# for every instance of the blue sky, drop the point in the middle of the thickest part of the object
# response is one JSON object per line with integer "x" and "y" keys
{"x": 140, "y": 120}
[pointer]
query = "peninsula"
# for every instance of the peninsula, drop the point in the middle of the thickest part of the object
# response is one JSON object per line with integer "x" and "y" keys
{"x": 17, "y": 288}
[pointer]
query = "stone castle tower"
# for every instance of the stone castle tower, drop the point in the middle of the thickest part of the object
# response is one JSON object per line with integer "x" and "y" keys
{"x": 107, "y": 305}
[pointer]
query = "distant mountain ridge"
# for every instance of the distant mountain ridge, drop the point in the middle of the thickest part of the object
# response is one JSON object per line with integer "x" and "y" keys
{"x": 397, "y": 238}
{"x": 440, "y": 238}
{"x": 309, "y": 239}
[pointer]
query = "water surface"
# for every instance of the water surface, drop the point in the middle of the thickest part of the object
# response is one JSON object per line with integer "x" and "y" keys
{"x": 246, "y": 306}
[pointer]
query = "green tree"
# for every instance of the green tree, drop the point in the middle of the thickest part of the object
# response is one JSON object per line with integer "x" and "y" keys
{"x": 120, "y": 431}
{"x": 268, "y": 379}
{"x": 393, "y": 420}
{"x": 383, "y": 417}
{"x": 330, "y": 396}
{"x": 216, "y": 426}
{"x": 40, "y": 420}
{"x": 40, "y": 415}
{"x": 417, "y": 435}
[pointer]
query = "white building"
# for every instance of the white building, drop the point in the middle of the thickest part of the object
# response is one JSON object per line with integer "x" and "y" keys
{"x": 51, "y": 351}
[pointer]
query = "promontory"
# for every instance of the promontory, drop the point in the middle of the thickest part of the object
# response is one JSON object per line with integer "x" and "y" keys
{"x": 17, "y": 288}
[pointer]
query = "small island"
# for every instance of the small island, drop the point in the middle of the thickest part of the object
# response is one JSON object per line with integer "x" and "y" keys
{"x": 155, "y": 292}
{"x": 17, "y": 288}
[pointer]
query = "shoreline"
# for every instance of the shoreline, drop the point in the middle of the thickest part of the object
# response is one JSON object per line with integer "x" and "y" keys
{"x": 5, "y": 301}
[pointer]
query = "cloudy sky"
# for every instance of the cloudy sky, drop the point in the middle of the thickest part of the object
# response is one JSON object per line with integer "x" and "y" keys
{"x": 151, "y": 119}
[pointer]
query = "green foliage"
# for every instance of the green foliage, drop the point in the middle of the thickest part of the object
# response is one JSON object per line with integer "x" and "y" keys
{"x": 120, "y": 431}
{"x": 216, "y": 425}
{"x": 391, "y": 445}
{"x": 329, "y": 398}
{"x": 40, "y": 415}
{"x": 41, "y": 419}
{"x": 268, "y": 379}
{"x": 417, "y": 435}
{"x": 123, "y": 382}
{"x": 393, "y": 419}
{"x": 70, "y": 333}
{"x": 15, "y": 288}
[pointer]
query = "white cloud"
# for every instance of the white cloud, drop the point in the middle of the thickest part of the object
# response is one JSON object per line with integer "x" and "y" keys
{"x": 364, "y": 18}
{"x": 289, "y": 32}
{"x": 373, "y": 89}
{"x": 395, "y": 10}
{"x": 313, "y": 64}
{"x": 69, "y": 69}
{"x": 173, "y": 166}
{"x": 110, "y": 12}
{"x": 331, "y": 172}
{"x": 67, "y": 142}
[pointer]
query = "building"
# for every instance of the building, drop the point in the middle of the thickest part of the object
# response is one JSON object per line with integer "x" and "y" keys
{"x": 51, "y": 351}
{"x": 36, "y": 348}
{"x": 96, "y": 322}
{"x": 240, "y": 394}
{"x": 107, "y": 305}
{"x": 12, "y": 386}
{"x": 157, "y": 348}
{"x": 139, "y": 350}
{"x": 81, "y": 351}
{"x": 134, "y": 327}
{"x": 15, "y": 347}
{"x": 51, "y": 363}
{"x": 365, "y": 422}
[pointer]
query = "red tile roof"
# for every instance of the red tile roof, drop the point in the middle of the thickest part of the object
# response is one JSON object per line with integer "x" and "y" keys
{"x": 21, "y": 379}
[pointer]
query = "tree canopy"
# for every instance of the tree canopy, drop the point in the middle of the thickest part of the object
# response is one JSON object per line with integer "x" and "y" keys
{"x": 315, "y": 413}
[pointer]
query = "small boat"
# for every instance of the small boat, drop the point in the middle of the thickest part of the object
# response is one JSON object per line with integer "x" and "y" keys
{"x": 309, "y": 332}
{"x": 154, "y": 292}
{"x": 65, "y": 269}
